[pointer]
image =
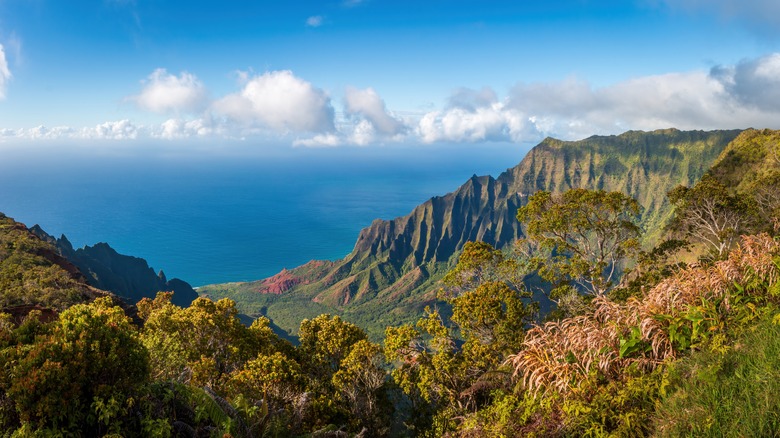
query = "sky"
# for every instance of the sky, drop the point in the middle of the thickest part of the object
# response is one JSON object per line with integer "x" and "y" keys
{"x": 346, "y": 73}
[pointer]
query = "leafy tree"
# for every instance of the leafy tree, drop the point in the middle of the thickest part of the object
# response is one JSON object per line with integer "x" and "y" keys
{"x": 274, "y": 380}
{"x": 479, "y": 263}
{"x": 83, "y": 375}
{"x": 361, "y": 379}
{"x": 201, "y": 344}
{"x": 709, "y": 214}
{"x": 324, "y": 342}
{"x": 766, "y": 192}
{"x": 445, "y": 377}
{"x": 581, "y": 237}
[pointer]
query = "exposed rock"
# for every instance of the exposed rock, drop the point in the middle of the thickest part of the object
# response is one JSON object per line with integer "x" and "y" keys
{"x": 129, "y": 277}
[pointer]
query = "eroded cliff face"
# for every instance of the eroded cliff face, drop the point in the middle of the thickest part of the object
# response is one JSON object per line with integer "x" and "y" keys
{"x": 395, "y": 263}
{"x": 129, "y": 277}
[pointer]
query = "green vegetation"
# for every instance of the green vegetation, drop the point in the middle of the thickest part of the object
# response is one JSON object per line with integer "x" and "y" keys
{"x": 395, "y": 265}
{"x": 668, "y": 349}
{"x": 579, "y": 240}
{"x": 31, "y": 272}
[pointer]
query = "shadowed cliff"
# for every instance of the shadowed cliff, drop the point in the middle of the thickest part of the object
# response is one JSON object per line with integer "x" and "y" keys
{"x": 129, "y": 277}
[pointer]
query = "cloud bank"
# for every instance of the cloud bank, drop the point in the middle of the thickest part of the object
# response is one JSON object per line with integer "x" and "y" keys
{"x": 279, "y": 105}
{"x": 739, "y": 96}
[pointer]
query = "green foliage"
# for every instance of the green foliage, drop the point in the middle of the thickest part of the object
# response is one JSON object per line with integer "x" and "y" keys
{"x": 29, "y": 274}
{"x": 620, "y": 408}
{"x": 276, "y": 379}
{"x": 324, "y": 342}
{"x": 83, "y": 374}
{"x": 480, "y": 263}
{"x": 449, "y": 372}
{"x": 729, "y": 391}
{"x": 201, "y": 344}
{"x": 581, "y": 237}
{"x": 361, "y": 379}
{"x": 651, "y": 267}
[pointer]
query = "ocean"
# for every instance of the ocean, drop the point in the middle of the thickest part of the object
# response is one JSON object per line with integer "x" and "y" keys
{"x": 210, "y": 216}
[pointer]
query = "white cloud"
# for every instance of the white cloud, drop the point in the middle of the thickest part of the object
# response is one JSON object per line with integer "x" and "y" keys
{"x": 733, "y": 97}
{"x": 281, "y": 102}
{"x": 5, "y": 72}
{"x": 469, "y": 99}
{"x": 367, "y": 104}
{"x": 314, "y": 21}
{"x": 116, "y": 130}
{"x": 474, "y": 120}
{"x": 173, "y": 129}
{"x": 41, "y": 132}
{"x": 167, "y": 93}
{"x": 739, "y": 96}
{"x": 320, "y": 140}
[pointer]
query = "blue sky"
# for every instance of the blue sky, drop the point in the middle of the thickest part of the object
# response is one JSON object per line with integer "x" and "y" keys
{"x": 380, "y": 72}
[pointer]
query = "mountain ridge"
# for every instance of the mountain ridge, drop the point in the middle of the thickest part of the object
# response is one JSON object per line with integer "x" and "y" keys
{"x": 127, "y": 276}
{"x": 390, "y": 275}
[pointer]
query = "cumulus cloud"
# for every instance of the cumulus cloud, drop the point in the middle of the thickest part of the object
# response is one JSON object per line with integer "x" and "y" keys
{"x": 727, "y": 97}
{"x": 754, "y": 83}
{"x": 468, "y": 99}
{"x": 494, "y": 122}
{"x": 281, "y": 102}
{"x": 320, "y": 140}
{"x": 738, "y": 96}
{"x": 5, "y": 72}
{"x": 115, "y": 130}
{"x": 314, "y": 21}
{"x": 167, "y": 93}
{"x": 368, "y": 105}
{"x": 175, "y": 129}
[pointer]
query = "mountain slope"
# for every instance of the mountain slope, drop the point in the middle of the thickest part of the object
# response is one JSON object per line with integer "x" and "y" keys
{"x": 391, "y": 273}
{"x": 34, "y": 276}
{"x": 129, "y": 277}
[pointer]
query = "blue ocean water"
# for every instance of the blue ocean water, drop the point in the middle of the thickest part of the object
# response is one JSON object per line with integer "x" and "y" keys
{"x": 212, "y": 218}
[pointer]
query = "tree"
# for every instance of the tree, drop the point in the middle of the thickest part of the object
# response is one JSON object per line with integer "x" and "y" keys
{"x": 325, "y": 341}
{"x": 201, "y": 344}
{"x": 448, "y": 370}
{"x": 82, "y": 375}
{"x": 480, "y": 262}
{"x": 275, "y": 380}
{"x": 581, "y": 237}
{"x": 710, "y": 215}
{"x": 360, "y": 379}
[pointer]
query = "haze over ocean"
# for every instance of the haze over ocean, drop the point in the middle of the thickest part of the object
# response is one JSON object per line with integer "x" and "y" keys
{"x": 216, "y": 219}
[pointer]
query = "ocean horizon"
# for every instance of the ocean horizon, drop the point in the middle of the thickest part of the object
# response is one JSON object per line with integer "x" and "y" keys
{"x": 215, "y": 218}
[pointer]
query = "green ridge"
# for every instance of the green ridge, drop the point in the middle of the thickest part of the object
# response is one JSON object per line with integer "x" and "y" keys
{"x": 391, "y": 274}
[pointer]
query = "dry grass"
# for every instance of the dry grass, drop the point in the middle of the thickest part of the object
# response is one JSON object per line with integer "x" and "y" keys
{"x": 557, "y": 355}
